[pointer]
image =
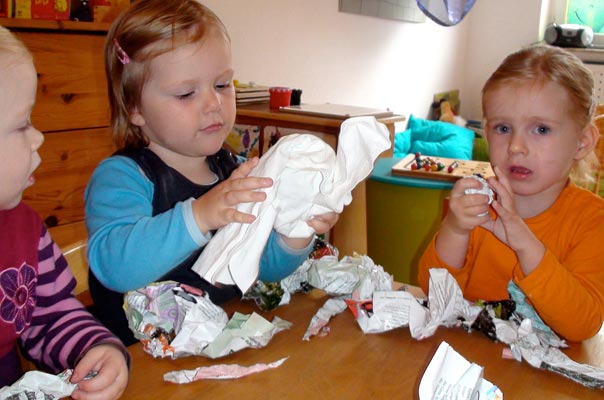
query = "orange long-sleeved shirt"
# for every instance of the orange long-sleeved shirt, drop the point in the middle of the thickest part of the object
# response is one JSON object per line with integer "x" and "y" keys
{"x": 566, "y": 288}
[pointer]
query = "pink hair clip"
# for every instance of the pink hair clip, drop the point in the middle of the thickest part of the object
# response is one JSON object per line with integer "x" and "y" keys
{"x": 120, "y": 53}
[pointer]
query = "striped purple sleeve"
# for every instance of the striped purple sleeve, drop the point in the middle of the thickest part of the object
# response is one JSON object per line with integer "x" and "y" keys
{"x": 61, "y": 329}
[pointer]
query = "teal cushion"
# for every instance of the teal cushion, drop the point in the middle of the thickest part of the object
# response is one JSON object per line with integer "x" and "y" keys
{"x": 402, "y": 143}
{"x": 434, "y": 138}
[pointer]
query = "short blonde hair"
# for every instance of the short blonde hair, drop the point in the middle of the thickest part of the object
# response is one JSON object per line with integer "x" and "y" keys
{"x": 540, "y": 64}
{"x": 12, "y": 50}
{"x": 147, "y": 29}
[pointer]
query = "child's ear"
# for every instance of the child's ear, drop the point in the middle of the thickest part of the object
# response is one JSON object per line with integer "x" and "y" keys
{"x": 587, "y": 141}
{"x": 136, "y": 118}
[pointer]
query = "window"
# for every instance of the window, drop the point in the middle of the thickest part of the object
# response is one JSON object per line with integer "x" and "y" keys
{"x": 586, "y": 12}
{"x": 589, "y": 13}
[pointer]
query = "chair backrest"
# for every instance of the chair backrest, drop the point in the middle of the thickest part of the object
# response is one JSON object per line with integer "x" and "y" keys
{"x": 599, "y": 122}
{"x": 75, "y": 254}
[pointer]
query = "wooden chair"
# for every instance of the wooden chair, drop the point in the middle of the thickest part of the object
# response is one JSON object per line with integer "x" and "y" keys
{"x": 599, "y": 122}
{"x": 75, "y": 254}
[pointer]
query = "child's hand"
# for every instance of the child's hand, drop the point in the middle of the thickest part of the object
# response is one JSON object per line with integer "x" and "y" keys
{"x": 466, "y": 211}
{"x": 217, "y": 207}
{"x": 324, "y": 222}
{"x": 112, "y": 374}
{"x": 510, "y": 228}
{"x": 320, "y": 223}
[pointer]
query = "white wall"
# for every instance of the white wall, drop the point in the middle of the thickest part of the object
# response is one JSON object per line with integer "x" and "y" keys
{"x": 497, "y": 28}
{"x": 343, "y": 58}
{"x": 351, "y": 59}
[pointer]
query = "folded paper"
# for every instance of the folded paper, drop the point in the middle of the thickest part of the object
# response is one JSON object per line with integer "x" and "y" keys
{"x": 450, "y": 376}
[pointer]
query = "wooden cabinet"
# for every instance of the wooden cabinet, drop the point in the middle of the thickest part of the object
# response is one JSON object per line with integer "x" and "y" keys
{"x": 72, "y": 110}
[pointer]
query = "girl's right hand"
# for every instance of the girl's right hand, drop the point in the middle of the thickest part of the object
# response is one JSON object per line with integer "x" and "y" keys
{"x": 466, "y": 211}
{"x": 217, "y": 207}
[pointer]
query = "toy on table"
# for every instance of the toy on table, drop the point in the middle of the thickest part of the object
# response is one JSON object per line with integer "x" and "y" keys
{"x": 440, "y": 168}
{"x": 427, "y": 163}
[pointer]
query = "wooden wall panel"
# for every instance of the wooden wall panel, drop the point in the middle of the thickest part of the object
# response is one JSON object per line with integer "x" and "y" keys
{"x": 72, "y": 90}
{"x": 68, "y": 160}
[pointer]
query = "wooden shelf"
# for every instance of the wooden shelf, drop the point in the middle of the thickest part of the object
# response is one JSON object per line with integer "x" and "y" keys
{"x": 40, "y": 24}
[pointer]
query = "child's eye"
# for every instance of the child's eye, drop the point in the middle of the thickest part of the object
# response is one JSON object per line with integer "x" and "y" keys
{"x": 223, "y": 86}
{"x": 542, "y": 130}
{"x": 502, "y": 129}
{"x": 184, "y": 96}
{"x": 25, "y": 127}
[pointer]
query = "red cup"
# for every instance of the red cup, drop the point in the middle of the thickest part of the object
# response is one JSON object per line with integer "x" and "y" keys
{"x": 279, "y": 97}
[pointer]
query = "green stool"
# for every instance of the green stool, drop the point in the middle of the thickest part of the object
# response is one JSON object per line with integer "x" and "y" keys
{"x": 403, "y": 214}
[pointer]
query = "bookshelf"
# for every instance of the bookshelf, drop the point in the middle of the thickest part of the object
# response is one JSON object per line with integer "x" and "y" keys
{"x": 54, "y": 25}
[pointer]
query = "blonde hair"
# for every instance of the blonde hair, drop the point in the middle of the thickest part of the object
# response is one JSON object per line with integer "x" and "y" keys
{"x": 15, "y": 49}
{"x": 541, "y": 64}
{"x": 147, "y": 29}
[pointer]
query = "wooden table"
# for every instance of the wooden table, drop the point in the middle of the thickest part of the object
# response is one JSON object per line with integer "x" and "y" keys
{"x": 348, "y": 364}
{"x": 261, "y": 115}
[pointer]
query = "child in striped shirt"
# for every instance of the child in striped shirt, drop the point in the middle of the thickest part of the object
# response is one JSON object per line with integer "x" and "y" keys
{"x": 37, "y": 306}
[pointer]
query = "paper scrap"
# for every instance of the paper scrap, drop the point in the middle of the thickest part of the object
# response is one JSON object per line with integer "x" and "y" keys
{"x": 321, "y": 318}
{"x": 367, "y": 290}
{"x": 173, "y": 320}
{"x": 449, "y": 376}
{"x": 351, "y": 278}
{"x": 38, "y": 385}
{"x": 221, "y": 371}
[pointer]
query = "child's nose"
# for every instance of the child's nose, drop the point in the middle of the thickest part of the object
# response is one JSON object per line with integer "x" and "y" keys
{"x": 36, "y": 139}
{"x": 516, "y": 144}
{"x": 211, "y": 102}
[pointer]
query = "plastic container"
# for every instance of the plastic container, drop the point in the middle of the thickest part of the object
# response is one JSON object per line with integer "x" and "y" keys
{"x": 279, "y": 97}
{"x": 403, "y": 214}
{"x": 296, "y": 97}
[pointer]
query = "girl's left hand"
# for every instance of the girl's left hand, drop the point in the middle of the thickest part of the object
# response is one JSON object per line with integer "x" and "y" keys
{"x": 510, "y": 228}
{"x": 320, "y": 223}
{"x": 324, "y": 222}
{"x": 112, "y": 374}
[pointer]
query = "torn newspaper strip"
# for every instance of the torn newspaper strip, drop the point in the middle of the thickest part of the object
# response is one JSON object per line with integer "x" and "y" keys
{"x": 219, "y": 371}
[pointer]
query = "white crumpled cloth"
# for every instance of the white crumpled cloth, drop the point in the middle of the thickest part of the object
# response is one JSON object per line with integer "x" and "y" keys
{"x": 309, "y": 179}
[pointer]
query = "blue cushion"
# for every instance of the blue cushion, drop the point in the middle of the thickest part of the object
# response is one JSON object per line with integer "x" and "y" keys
{"x": 434, "y": 138}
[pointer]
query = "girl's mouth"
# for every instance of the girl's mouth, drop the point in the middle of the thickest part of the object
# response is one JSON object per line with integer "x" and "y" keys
{"x": 519, "y": 172}
{"x": 213, "y": 128}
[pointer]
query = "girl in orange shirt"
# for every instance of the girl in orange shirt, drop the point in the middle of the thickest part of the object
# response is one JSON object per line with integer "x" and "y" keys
{"x": 541, "y": 231}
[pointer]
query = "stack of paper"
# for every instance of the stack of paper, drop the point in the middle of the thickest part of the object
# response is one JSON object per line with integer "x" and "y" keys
{"x": 251, "y": 93}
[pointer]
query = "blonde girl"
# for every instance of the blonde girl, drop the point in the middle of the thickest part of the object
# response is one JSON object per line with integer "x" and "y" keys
{"x": 153, "y": 206}
{"x": 542, "y": 231}
{"x": 38, "y": 310}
